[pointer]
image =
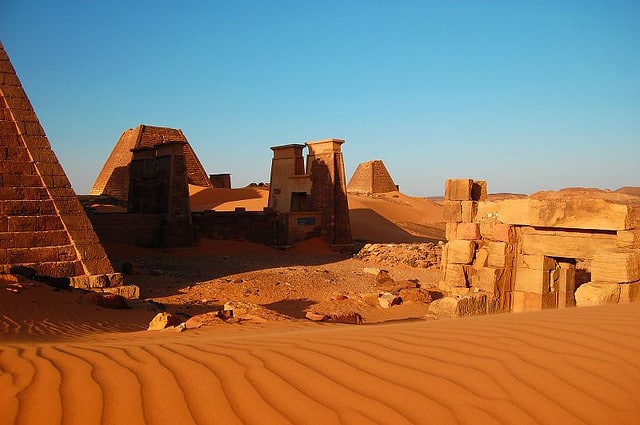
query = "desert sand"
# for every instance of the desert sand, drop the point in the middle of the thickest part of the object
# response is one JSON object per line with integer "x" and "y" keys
{"x": 65, "y": 360}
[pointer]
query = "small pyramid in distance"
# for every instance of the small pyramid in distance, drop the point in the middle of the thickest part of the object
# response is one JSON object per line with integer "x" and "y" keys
{"x": 371, "y": 177}
{"x": 113, "y": 179}
{"x": 42, "y": 224}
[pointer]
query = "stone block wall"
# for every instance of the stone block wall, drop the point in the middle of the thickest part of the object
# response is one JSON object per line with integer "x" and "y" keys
{"x": 523, "y": 252}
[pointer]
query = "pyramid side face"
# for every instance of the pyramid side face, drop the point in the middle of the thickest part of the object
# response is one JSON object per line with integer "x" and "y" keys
{"x": 42, "y": 223}
{"x": 381, "y": 179}
{"x": 113, "y": 180}
{"x": 361, "y": 180}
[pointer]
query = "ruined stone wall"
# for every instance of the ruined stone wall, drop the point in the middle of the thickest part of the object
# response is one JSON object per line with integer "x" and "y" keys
{"x": 267, "y": 228}
{"x": 524, "y": 252}
{"x": 135, "y": 229}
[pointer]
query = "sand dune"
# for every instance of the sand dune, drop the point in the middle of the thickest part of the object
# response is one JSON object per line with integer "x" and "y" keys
{"x": 563, "y": 367}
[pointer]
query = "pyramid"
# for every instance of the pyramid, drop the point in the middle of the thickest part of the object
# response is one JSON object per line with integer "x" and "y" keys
{"x": 42, "y": 224}
{"x": 113, "y": 180}
{"x": 371, "y": 177}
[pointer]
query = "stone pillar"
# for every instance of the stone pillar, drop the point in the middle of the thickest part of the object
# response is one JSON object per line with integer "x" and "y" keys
{"x": 325, "y": 165}
{"x": 287, "y": 162}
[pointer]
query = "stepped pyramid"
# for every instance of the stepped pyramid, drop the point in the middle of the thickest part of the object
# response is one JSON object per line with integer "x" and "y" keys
{"x": 42, "y": 224}
{"x": 113, "y": 180}
{"x": 371, "y": 177}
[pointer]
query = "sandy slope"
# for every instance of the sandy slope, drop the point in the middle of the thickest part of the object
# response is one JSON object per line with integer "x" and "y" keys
{"x": 562, "y": 367}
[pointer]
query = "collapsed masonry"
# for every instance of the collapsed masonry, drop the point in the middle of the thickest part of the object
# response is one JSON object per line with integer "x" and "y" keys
{"x": 313, "y": 197}
{"x": 371, "y": 177}
{"x": 113, "y": 179}
{"x": 43, "y": 227}
{"x": 523, "y": 253}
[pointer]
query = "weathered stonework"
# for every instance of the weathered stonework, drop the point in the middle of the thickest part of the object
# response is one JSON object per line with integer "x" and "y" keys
{"x": 42, "y": 224}
{"x": 526, "y": 250}
{"x": 371, "y": 177}
{"x": 314, "y": 196}
{"x": 113, "y": 179}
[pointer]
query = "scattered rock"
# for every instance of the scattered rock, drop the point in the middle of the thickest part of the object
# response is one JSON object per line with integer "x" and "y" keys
{"x": 371, "y": 270}
{"x": 114, "y": 301}
{"x": 352, "y": 318}
{"x": 204, "y": 319}
{"x": 162, "y": 321}
{"x": 316, "y": 317}
{"x": 419, "y": 255}
{"x": 388, "y": 300}
{"x": 597, "y": 293}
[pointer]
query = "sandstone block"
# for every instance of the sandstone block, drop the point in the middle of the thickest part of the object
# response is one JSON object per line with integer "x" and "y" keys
{"x": 568, "y": 244}
{"x": 628, "y": 238}
{"x": 482, "y": 257}
{"x": 451, "y": 231}
{"x": 454, "y": 275}
{"x": 531, "y": 281}
{"x": 566, "y": 299}
{"x": 536, "y": 262}
{"x": 479, "y": 190}
{"x": 130, "y": 292}
{"x": 453, "y": 211}
{"x": 460, "y": 251}
{"x": 537, "y": 302}
{"x": 576, "y": 213}
{"x": 619, "y": 265}
{"x": 597, "y": 293}
{"x": 509, "y": 211}
{"x": 501, "y": 254}
{"x": 458, "y": 189}
{"x": 469, "y": 211}
{"x": 459, "y": 306}
{"x": 517, "y": 302}
{"x": 630, "y": 292}
{"x": 504, "y": 233}
{"x": 491, "y": 279}
{"x": 468, "y": 231}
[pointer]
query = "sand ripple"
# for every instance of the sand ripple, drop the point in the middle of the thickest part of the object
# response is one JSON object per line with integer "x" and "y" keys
{"x": 577, "y": 366}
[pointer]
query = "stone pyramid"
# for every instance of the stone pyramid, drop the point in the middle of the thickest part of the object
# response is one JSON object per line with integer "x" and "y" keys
{"x": 371, "y": 177}
{"x": 42, "y": 224}
{"x": 113, "y": 180}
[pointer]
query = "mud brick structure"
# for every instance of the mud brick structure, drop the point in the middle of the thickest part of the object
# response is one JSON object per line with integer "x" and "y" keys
{"x": 313, "y": 196}
{"x": 220, "y": 181}
{"x": 42, "y": 224}
{"x": 539, "y": 252}
{"x": 371, "y": 177}
{"x": 113, "y": 180}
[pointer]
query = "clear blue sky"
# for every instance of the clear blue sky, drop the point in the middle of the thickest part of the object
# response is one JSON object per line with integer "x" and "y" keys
{"x": 528, "y": 95}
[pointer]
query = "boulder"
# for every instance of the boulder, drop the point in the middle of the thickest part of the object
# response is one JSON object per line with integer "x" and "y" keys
{"x": 162, "y": 321}
{"x": 203, "y": 319}
{"x": 597, "y": 293}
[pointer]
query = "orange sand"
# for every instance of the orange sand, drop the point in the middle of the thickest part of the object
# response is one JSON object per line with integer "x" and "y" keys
{"x": 574, "y": 366}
